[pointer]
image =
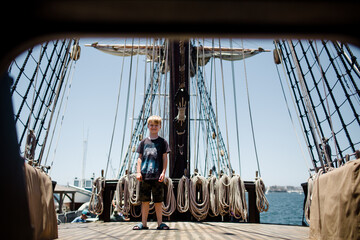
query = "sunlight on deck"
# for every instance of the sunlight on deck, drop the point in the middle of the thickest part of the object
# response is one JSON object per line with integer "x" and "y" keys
{"x": 182, "y": 230}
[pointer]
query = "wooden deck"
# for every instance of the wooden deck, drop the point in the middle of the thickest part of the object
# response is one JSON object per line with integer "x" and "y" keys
{"x": 181, "y": 230}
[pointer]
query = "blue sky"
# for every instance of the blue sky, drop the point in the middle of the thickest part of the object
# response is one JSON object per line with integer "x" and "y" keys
{"x": 91, "y": 109}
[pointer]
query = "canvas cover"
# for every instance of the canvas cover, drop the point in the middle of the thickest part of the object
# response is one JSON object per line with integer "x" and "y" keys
{"x": 41, "y": 204}
{"x": 335, "y": 206}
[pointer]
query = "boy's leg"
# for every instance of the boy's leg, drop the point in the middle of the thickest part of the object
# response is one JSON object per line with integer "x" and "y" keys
{"x": 145, "y": 212}
{"x": 158, "y": 210}
{"x": 145, "y": 197}
{"x": 158, "y": 197}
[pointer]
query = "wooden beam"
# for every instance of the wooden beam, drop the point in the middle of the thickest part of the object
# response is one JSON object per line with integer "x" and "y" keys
{"x": 179, "y": 81}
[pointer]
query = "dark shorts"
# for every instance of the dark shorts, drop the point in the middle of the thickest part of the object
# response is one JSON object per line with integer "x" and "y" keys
{"x": 151, "y": 186}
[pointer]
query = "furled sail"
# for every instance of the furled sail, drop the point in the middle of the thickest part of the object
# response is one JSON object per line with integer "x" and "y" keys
{"x": 152, "y": 52}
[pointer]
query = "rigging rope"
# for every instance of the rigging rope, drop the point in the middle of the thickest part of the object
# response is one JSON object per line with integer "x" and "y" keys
{"x": 145, "y": 97}
{"x": 42, "y": 96}
{"x": 126, "y": 110}
{"x": 196, "y": 103}
{"x": 216, "y": 117}
{"x": 328, "y": 158}
{"x": 31, "y": 134}
{"x": 152, "y": 76}
{"x": 165, "y": 113}
{"x": 309, "y": 107}
{"x": 224, "y": 100}
{"x": 160, "y": 74}
{"x": 52, "y": 82}
{"x": 250, "y": 114}
{"x": 64, "y": 110}
{"x": 288, "y": 109}
{"x": 64, "y": 68}
{"x": 21, "y": 70}
{"x": 236, "y": 114}
{"x": 31, "y": 142}
{"x": 346, "y": 60}
{"x": 116, "y": 112}
{"x": 207, "y": 112}
{"x": 25, "y": 95}
{"x": 342, "y": 116}
{"x": 133, "y": 112}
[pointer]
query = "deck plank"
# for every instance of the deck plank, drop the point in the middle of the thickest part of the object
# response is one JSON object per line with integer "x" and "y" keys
{"x": 181, "y": 230}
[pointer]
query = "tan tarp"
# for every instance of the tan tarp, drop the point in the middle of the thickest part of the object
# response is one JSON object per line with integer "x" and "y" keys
{"x": 41, "y": 204}
{"x": 335, "y": 206}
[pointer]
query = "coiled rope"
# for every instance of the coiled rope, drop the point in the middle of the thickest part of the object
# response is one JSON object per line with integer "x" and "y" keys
{"x": 199, "y": 201}
{"x": 224, "y": 188}
{"x": 30, "y": 146}
{"x": 183, "y": 195}
{"x": 134, "y": 190}
{"x": 261, "y": 201}
{"x": 237, "y": 201}
{"x": 169, "y": 206}
{"x": 214, "y": 196}
{"x": 198, "y": 194}
{"x": 96, "y": 204}
{"x": 127, "y": 193}
{"x": 122, "y": 195}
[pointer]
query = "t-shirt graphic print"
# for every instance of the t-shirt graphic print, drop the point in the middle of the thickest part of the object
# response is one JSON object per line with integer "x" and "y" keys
{"x": 152, "y": 151}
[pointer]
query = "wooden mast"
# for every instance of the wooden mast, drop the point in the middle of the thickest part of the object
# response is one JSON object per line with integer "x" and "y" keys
{"x": 179, "y": 109}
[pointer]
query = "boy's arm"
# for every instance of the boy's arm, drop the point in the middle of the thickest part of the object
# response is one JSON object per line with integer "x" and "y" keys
{"x": 165, "y": 161}
{"x": 138, "y": 168}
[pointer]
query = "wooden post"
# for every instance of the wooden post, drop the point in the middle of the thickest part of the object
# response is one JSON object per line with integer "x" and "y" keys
{"x": 254, "y": 215}
{"x": 61, "y": 202}
{"x": 73, "y": 202}
{"x": 108, "y": 194}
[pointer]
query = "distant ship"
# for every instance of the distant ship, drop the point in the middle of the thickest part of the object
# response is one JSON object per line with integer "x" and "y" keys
{"x": 288, "y": 189}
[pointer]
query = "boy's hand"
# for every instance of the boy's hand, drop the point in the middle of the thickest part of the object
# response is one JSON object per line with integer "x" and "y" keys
{"x": 139, "y": 177}
{"x": 162, "y": 177}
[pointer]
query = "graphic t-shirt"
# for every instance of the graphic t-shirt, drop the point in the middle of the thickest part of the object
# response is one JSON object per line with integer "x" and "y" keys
{"x": 152, "y": 151}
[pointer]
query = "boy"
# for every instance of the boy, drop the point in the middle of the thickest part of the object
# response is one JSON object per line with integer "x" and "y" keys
{"x": 151, "y": 168}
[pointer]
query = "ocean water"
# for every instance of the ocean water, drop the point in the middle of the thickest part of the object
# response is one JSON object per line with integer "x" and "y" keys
{"x": 284, "y": 208}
